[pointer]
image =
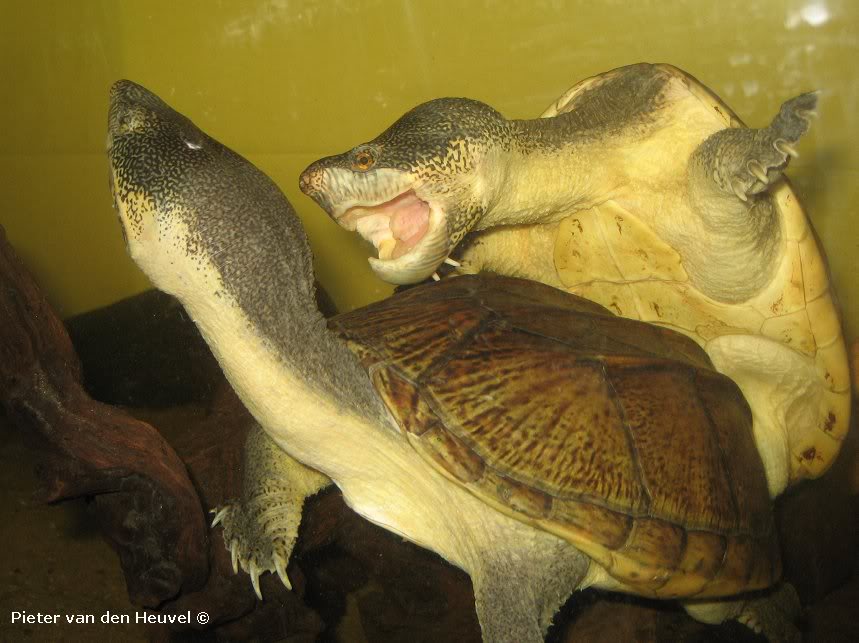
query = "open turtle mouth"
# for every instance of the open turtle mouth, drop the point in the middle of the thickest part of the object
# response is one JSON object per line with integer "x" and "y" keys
{"x": 394, "y": 227}
{"x": 407, "y": 232}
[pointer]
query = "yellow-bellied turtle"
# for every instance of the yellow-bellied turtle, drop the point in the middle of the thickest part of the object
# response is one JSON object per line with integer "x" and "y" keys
{"x": 528, "y": 436}
{"x": 638, "y": 189}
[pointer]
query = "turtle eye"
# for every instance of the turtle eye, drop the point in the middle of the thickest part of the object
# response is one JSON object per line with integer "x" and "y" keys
{"x": 363, "y": 160}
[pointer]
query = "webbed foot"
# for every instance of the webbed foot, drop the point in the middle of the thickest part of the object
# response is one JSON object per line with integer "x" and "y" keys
{"x": 258, "y": 542}
{"x": 745, "y": 162}
{"x": 773, "y": 613}
{"x": 260, "y": 530}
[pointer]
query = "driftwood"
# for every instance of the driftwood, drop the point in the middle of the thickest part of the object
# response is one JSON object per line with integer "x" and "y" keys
{"x": 151, "y": 491}
{"x": 146, "y": 504}
{"x": 142, "y": 497}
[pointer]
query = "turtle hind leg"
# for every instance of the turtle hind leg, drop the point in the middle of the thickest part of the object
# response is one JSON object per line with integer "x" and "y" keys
{"x": 772, "y": 613}
{"x": 744, "y": 162}
{"x": 522, "y": 581}
{"x": 260, "y": 530}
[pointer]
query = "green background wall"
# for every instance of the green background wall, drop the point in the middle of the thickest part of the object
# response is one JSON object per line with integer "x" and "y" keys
{"x": 286, "y": 81}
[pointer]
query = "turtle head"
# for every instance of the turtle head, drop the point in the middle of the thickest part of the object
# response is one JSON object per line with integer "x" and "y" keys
{"x": 190, "y": 206}
{"x": 154, "y": 154}
{"x": 416, "y": 189}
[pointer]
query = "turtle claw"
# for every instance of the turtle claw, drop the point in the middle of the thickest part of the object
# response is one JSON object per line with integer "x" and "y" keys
{"x": 280, "y": 566}
{"x": 745, "y": 162}
{"x": 234, "y": 555}
{"x": 219, "y": 515}
{"x": 786, "y": 148}
{"x": 258, "y": 541}
{"x": 254, "y": 572}
{"x": 757, "y": 170}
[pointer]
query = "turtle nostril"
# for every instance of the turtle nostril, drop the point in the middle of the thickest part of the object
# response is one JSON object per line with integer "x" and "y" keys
{"x": 309, "y": 181}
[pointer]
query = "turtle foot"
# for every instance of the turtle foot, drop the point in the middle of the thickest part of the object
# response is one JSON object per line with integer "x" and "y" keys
{"x": 259, "y": 540}
{"x": 745, "y": 162}
{"x": 260, "y": 530}
{"x": 774, "y": 615}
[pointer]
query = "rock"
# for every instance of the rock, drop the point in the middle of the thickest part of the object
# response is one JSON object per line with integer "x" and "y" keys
{"x": 818, "y": 525}
{"x": 115, "y": 345}
{"x": 834, "y": 618}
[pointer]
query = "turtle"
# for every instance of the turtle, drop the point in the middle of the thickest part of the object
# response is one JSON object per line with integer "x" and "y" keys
{"x": 638, "y": 189}
{"x": 526, "y": 435}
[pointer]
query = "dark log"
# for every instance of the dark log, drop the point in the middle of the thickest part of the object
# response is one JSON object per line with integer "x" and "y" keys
{"x": 834, "y": 619}
{"x": 115, "y": 345}
{"x": 121, "y": 367}
{"x": 818, "y": 523}
{"x": 147, "y": 506}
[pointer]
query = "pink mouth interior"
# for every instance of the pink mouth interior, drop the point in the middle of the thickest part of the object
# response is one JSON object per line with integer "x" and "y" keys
{"x": 408, "y": 220}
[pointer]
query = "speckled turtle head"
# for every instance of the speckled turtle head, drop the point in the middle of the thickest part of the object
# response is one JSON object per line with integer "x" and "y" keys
{"x": 143, "y": 185}
{"x": 416, "y": 189}
{"x": 179, "y": 193}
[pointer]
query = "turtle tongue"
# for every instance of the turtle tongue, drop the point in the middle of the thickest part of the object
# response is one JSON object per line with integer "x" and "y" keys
{"x": 394, "y": 227}
{"x": 409, "y": 221}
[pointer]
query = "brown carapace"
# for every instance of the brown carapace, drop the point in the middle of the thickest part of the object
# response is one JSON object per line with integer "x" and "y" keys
{"x": 616, "y": 435}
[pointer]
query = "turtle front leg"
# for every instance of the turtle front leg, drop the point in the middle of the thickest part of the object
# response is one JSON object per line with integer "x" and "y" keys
{"x": 733, "y": 223}
{"x": 743, "y": 162}
{"x": 260, "y": 530}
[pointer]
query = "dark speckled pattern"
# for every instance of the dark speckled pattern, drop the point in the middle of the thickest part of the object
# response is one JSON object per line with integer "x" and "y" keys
{"x": 433, "y": 133}
{"x": 240, "y": 221}
{"x": 435, "y": 142}
{"x": 625, "y": 101}
{"x": 443, "y": 140}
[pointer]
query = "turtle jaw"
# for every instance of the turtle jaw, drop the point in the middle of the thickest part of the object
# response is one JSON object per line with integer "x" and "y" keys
{"x": 414, "y": 263}
{"x": 386, "y": 208}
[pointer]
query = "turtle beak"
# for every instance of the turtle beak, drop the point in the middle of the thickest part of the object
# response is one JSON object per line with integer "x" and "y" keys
{"x": 312, "y": 182}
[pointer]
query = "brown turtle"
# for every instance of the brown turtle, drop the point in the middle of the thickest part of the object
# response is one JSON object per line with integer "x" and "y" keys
{"x": 526, "y": 435}
{"x": 638, "y": 189}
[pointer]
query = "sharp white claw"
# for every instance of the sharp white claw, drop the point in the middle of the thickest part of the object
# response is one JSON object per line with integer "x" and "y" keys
{"x": 452, "y": 262}
{"x": 758, "y": 171}
{"x": 253, "y": 570}
{"x": 234, "y": 555}
{"x": 735, "y": 186}
{"x": 280, "y": 566}
{"x": 435, "y": 277}
{"x": 786, "y": 148}
{"x": 219, "y": 516}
